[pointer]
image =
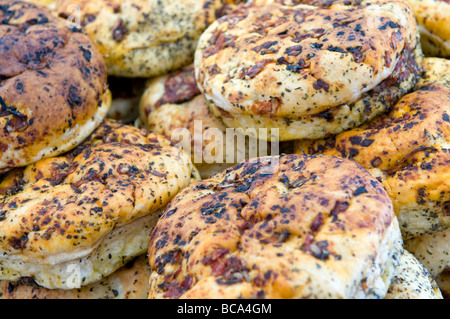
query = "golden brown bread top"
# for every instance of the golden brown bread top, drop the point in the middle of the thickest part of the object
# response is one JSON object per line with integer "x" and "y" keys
{"x": 172, "y": 102}
{"x": 443, "y": 281}
{"x": 408, "y": 149}
{"x": 129, "y": 282}
{"x": 214, "y": 9}
{"x": 276, "y": 227}
{"x": 435, "y": 70}
{"x": 413, "y": 280}
{"x": 177, "y": 87}
{"x": 52, "y": 82}
{"x": 143, "y": 38}
{"x": 267, "y": 58}
{"x": 69, "y": 203}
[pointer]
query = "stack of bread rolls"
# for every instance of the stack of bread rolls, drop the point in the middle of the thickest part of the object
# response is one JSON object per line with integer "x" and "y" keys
{"x": 119, "y": 180}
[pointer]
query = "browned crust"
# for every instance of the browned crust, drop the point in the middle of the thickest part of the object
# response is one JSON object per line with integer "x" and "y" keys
{"x": 418, "y": 123}
{"x": 128, "y": 282}
{"x": 179, "y": 87}
{"x": 52, "y": 80}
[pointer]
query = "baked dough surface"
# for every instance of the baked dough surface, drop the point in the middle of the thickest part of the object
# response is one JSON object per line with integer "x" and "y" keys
{"x": 173, "y": 106}
{"x": 277, "y": 227}
{"x": 91, "y": 208}
{"x": 128, "y": 282}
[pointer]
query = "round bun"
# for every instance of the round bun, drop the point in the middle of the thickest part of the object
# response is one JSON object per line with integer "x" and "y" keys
{"x": 433, "y": 19}
{"x": 432, "y": 250}
{"x": 287, "y": 226}
{"x": 308, "y": 71}
{"x": 53, "y": 90}
{"x": 128, "y": 282}
{"x": 143, "y": 38}
{"x": 412, "y": 281}
{"x": 173, "y": 106}
{"x": 408, "y": 150}
{"x": 91, "y": 208}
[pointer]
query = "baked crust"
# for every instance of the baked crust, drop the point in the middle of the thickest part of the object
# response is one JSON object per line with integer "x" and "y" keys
{"x": 53, "y": 89}
{"x": 175, "y": 88}
{"x": 432, "y": 250}
{"x": 128, "y": 282}
{"x": 126, "y": 94}
{"x": 433, "y": 19}
{"x": 408, "y": 150}
{"x": 143, "y": 38}
{"x": 92, "y": 207}
{"x": 277, "y": 227}
{"x": 308, "y": 71}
